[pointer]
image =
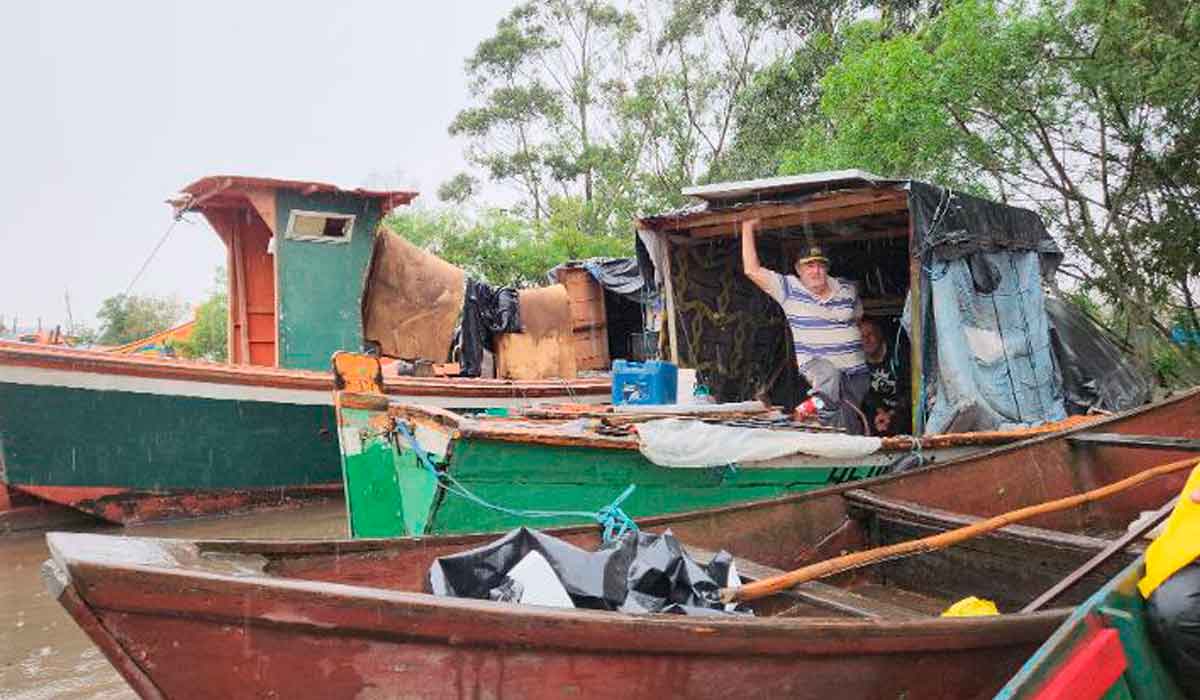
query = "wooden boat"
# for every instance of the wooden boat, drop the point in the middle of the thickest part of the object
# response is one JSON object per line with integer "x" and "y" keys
{"x": 218, "y": 618}
{"x": 128, "y": 438}
{"x": 1102, "y": 650}
{"x": 577, "y": 461}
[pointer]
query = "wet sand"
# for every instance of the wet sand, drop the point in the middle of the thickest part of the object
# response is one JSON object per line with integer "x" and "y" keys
{"x": 43, "y": 654}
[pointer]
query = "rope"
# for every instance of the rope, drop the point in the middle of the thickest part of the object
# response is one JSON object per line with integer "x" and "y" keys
{"x": 614, "y": 521}
{"x": 174, "y": 222}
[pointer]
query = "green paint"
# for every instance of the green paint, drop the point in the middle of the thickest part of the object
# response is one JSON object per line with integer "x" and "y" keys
{"x": 523, "y": 476}
{"x": 56, "y": 436}
{"x": 1120, "y": 606}
{"x": 527, "y": 476}
{"x": 388, "y": 492}
{"x": 320, "y": 283}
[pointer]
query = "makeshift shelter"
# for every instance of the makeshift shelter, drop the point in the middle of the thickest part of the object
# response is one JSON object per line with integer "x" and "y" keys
{"x": 961, "y": 274}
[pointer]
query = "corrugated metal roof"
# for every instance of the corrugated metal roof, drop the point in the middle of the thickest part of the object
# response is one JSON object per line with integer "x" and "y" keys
{"x": 742, "y": 189}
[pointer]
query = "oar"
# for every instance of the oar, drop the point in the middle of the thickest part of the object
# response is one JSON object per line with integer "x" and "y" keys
{"x": 855, "y": 560}
{"x": 1104, "y": 555}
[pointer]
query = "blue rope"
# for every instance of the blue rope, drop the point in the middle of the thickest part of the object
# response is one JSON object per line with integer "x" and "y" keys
{"x": 614, "y": 521}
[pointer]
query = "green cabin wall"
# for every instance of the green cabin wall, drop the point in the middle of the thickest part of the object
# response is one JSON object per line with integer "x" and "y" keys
{"x": 320, "y": 284}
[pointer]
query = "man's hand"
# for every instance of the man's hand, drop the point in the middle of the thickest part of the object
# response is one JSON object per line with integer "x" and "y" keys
{"x": 883, "y": 420}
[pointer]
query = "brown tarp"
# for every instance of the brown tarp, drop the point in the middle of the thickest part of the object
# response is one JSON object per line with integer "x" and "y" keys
{"x": 412, "y": 300}
{"x": 545, "y": 346}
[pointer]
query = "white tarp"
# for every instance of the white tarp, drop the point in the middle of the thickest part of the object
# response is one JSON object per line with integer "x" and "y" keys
{"x": 684, "y": 442}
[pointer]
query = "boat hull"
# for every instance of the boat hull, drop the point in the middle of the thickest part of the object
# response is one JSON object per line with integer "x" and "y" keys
{"x": 278, "y": 635}
{"x": 132, "y": 439}
{"x": 520, "y": 477}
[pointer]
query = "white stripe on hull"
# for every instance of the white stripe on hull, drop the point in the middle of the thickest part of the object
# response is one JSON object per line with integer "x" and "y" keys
{"x": 99, "y": 381}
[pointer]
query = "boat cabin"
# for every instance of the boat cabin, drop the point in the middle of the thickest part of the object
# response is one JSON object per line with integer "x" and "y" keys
{"x": 954, "y": 281}
{"x": 297, "y": 255}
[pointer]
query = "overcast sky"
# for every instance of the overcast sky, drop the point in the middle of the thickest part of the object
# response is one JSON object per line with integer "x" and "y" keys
{"x": 109, "y": 107}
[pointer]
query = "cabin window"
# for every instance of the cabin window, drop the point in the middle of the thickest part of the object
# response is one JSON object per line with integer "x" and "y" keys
{"x": 320, "y": 226}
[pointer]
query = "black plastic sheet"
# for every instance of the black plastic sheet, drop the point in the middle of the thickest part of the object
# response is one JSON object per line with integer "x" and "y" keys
{"x": 637, "y": 573}
{"x": 1174, "y": 613}
{"x": 1096, "y": 374}
{"x": 486, "y": 311}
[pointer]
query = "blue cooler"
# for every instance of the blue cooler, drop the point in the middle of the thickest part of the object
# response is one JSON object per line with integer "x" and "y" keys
{"x": 651, "y": 382}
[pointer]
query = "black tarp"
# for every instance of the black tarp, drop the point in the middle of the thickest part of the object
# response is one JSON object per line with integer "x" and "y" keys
{"x": 1096, "y": 374}
{"x": 954, "y": 225}
{"x": 486, "y": 311}
{"x": 636, "y": 573}
{"x": 1174, "y": 614}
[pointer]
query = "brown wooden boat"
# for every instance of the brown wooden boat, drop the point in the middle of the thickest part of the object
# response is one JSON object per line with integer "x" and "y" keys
{"x": 185, "y": 618}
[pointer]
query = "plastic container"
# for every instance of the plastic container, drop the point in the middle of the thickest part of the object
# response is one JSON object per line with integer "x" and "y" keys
{"x": 651, "y": 382}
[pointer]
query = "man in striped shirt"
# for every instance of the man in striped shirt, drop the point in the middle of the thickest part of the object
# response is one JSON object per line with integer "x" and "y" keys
{"x": 823, "y": 313}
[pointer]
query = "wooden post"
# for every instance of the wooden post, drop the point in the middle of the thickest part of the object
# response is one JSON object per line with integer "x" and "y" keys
{"x": 239, "y": 265}
{"x": 671, "y": 332}
{"x": 916, "y": 341}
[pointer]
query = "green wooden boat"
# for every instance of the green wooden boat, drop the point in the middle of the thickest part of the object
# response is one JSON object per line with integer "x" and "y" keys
{"x": 1102, "y": 651}
{"x": 498, "y": 472}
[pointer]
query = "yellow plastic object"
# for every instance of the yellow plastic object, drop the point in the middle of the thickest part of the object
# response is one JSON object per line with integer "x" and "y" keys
{"x": 971, "y": 607}
{"x": 1179, "y": 544}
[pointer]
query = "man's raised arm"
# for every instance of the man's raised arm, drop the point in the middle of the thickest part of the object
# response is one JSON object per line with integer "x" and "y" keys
{"x": 759, "y": 275}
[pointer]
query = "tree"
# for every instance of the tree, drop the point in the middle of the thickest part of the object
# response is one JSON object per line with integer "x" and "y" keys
{"x": 506, "y": 250}
{"x": 539, "y": 80}
{"x": 1079, "y": 110}
{"x": 458, "y": 189}
{"x": 210, "y": 335}
{"x": 125, "y": 319}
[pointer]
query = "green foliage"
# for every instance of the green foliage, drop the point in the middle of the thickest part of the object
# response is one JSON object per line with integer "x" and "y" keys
{"x": 210, "y": 335}
{"x": 507, "y": 250}
{"x": 125, "y": 319}
{"x": 458, "y": 189}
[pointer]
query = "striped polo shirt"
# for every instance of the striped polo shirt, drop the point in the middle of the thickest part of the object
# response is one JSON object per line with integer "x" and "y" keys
{"x": 823, "y": 328}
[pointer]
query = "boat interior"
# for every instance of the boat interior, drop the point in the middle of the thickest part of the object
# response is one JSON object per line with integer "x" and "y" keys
{"x": 1010, "y": 566}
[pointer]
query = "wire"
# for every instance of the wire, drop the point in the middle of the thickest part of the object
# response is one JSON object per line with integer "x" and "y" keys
{"x": 174, "y": 222}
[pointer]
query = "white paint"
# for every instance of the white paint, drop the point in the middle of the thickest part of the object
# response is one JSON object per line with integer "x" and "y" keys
{"x": 100, "y": 381}
{"x": 432, "y": 440}
{"x": 351, "y": 441}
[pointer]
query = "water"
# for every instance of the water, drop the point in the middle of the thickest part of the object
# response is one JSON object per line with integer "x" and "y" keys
{"x": 43, "y": 654}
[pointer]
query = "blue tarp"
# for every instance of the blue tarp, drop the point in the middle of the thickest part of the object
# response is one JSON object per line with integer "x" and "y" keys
{"x": 995, "y": 366}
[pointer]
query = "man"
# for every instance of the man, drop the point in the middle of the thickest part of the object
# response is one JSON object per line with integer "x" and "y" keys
{"x": 823, "y": 314}
{"x": 886, "y": 403}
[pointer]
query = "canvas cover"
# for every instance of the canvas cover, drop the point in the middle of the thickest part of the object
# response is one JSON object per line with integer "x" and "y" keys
{"x": 412, "y": 300}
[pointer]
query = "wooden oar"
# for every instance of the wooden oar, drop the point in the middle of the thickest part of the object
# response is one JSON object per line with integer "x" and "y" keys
{"x": 855, "y": 560}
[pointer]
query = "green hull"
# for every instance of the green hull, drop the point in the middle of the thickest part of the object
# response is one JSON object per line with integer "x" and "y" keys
{"x": 391, "y": 493}
{"x": 1120, "y": 607}
{"x": 53, "y": 438}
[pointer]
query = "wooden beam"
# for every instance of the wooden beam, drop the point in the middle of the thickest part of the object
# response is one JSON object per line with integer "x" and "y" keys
{"x": 263, "y": 201}
{"x": 821, "y": 594}
{"x": 672, "y": 334}
{"x": 916, "y": 339}
{"x": 1149, "y": 442}
{"x": 777, "y": 216}
{"x": 892, "y": 509}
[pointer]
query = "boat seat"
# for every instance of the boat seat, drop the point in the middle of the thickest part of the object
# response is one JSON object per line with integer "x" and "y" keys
{"x": 936, "y": 518}
{"x": 1152, "y": 442}
{"x": 816, "y": 592}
